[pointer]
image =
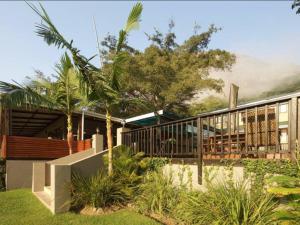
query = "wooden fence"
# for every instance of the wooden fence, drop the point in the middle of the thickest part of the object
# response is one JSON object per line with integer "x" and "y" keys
{"x": 17, "y": 147}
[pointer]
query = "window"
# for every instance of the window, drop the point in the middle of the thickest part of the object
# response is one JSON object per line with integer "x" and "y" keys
{"x": 283, "y": 108}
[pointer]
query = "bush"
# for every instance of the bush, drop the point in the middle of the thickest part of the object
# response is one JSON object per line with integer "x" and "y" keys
{"x": 226, "y": 203}
{"x": 98, "y": 191}
{"x": 158, "y": 194}
{"x": 102, "y": 190}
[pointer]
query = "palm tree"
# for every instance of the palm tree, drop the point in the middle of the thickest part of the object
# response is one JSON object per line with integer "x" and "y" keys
{"x": 103, "y": 83}
{"x": 296, "y": 4}
{"x": 63, "y": 94}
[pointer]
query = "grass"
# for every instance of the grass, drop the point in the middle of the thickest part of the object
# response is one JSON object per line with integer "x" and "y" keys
{"x": 22, "y": 207}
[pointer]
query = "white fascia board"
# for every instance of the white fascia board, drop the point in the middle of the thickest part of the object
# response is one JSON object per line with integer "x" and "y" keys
{"x": 144, "y": 116}
{"x": 100, "y": 116}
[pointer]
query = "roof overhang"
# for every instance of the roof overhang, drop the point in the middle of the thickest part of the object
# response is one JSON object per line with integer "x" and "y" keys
{"x": 254, "y": 104}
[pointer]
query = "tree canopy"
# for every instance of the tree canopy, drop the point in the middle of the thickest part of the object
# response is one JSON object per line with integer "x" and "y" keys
{"x": 168, "y": 75}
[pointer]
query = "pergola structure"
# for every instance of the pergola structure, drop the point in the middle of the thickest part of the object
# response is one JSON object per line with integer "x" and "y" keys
{"x": 51, "y": 124}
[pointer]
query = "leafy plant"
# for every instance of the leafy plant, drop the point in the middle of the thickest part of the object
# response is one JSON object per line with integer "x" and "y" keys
{"x": 284, "y": 181}
{"x": 158, "y": 194}
{"x": 226, "y": 203}
{"x": 62, "y": 94}
{"x": 102, "y": 190}
{"x": 98, "y": 191}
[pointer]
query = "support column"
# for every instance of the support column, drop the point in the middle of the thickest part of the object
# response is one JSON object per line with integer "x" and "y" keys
{"x": 38, "y": 176}
{"x": 119, "y": 134}
{"x": 97, "y": 143}
{"x": 199, "y": 149}
{"x": 79, "y": 129}
{"x": 292, "y": 132}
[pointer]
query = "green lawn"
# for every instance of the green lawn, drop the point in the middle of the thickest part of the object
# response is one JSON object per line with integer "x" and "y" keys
{"x": 21, "y": 207}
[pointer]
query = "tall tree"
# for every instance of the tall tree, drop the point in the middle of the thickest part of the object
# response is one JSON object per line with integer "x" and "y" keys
{"x": 168, "y": 75}
{"x": 105, "y": 83}
{"x": 62, "y": 94}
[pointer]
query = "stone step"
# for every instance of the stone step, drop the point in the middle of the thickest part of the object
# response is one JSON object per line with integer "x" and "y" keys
{"x": 47, "y": 190}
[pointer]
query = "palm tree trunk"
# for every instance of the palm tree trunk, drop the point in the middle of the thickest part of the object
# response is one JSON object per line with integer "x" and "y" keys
{"x": 109, "y": 142}
{"x": 70, "y": 134}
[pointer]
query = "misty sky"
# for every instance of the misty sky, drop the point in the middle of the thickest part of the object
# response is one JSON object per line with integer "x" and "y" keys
{"x": 268, "y": 31}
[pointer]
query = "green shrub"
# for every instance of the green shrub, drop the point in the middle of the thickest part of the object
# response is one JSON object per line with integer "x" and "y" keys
{"x": 98, "y": 191}
{"x": 227, "y": 204}
{"x": 158, "y": 194}
{"x": 102, "y": 190}
{"x": 284, "y": 181}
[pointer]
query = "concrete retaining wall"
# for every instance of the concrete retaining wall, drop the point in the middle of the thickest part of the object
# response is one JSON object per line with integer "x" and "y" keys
{"x": 19, "y": 173}
{"x": 189, "y": 173}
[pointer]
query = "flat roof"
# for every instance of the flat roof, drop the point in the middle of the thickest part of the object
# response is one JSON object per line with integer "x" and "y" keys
{"x": 255, "y": 103}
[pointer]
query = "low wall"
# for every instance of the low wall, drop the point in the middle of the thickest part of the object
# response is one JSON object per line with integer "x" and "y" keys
{"x": 86, "y": 163}
{"x": 89, "y": 166}
{"x": 189, "y": 173}
{"x": 19, "y": 173}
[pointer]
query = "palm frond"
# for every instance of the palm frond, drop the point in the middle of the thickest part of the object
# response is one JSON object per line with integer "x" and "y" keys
{"x": 17, "y": 95}
{"x": 120, "y": 57}
{"x": 52, "y": 36}
{"x": 48, "y": 31}
{"x": 134, "y": 17}
{"x": 296, "y": 4}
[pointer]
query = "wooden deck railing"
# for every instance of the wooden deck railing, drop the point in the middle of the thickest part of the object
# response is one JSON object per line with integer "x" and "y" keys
{"x": 266, "y": 130}
{"x": 17, "y": 147}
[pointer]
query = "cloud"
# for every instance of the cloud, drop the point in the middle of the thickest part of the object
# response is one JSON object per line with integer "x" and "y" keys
{"x": 255, "y": 76}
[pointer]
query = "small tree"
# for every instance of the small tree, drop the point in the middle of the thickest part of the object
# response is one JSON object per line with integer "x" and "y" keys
{"x": 104, "y": 84}
{"x": 62, "y": 94}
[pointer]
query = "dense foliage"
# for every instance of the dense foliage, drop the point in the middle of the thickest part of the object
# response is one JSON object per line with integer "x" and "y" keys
{"x": 102, "y": 190}
{"x": 158, "y": 194}
{"x": 167, "y": 75}
{"x": 226, "y": 203}
{"x": 208, "y": 104}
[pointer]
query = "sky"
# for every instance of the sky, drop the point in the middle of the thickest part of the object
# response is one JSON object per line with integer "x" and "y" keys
{"x": 267, "y": 31}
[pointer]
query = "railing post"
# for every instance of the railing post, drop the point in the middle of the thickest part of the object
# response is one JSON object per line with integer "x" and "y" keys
{"x": 97, "y": 143}
{"x": 151, "y": 141}
{"x": 292, "y": 127}
{"x": 120, "y": 130}
{"x": 199, "y": 149}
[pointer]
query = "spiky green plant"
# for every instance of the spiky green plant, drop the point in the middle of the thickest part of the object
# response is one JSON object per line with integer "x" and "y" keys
{"x": 157, "y": 194}
{"x": 226, "y": 203}
{"x": 98, "y": 191}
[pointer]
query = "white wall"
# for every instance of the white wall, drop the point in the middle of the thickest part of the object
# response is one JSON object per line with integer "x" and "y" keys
{"x": 189, "y": 173}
